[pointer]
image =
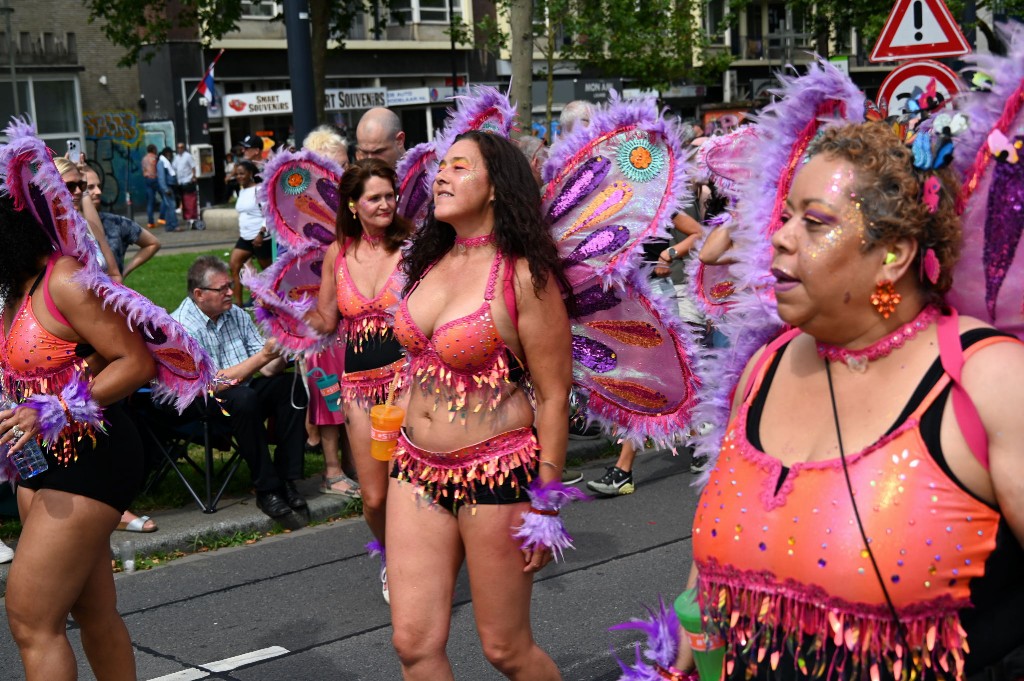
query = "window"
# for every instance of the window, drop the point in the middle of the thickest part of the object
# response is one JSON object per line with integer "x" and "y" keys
{"x": 55, "y": 106}
{"x": 257, "y": 9}
{"x": 424, "y": 11}
{"x": 53, "y": 103}
{"x": 714, "y": 19}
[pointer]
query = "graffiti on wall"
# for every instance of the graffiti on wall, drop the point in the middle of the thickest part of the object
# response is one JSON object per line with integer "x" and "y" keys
{"x": 115, "y": 144}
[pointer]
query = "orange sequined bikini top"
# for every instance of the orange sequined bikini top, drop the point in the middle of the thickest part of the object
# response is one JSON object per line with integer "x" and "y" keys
{"x": 466, "y": 354}
{"x": 32, "y": 357}
{"x": 363, "y": 317}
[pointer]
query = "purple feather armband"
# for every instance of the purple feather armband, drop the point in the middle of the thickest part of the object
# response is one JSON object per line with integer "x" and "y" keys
{"x": 74, "y": 404}
{"x": 542, "y": 525}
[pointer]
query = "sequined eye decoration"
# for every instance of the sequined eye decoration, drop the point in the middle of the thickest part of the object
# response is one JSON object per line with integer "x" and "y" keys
{"x": 295, "y": 182}
{"x": 639, "y": 160}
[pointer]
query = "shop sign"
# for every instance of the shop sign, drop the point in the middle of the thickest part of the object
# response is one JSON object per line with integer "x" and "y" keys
{"x": 349, "y": 99}
{"x": 418, "y": 95}
{"x": 269, "y": 103}
{"x": 594, "y": 89}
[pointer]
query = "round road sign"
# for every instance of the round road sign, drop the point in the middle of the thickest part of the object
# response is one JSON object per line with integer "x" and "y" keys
{"x": 897, "y": 86}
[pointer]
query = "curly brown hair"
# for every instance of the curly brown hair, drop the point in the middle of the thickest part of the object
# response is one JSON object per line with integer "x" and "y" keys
{"x": 351, "y": 187}
{"x": 890, "y": 189}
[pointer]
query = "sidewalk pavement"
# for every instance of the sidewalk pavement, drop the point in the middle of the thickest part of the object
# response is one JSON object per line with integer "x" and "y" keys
{"x": 221, "y": 230}
{"x": 181, "y": 529}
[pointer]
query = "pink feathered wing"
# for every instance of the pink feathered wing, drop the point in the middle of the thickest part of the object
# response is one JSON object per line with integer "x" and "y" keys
{"x": 183, "y": 368}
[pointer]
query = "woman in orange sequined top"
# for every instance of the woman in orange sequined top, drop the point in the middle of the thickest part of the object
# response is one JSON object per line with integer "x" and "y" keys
{"x": 360, "y": 288}
{"x": 483, "y": 303}
{"x": 865, "y": 516}
{"x": 51, "y": 325}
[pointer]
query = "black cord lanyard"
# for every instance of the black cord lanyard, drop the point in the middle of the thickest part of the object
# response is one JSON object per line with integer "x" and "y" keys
{"x": 856, "y": 514}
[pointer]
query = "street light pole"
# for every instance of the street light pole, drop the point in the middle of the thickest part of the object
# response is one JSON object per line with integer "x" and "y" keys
{"x": 8, "y": 11}
{"x": 300, "y": 68}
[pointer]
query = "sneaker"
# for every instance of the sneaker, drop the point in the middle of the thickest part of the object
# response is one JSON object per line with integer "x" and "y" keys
{"x": 6, "y": 553}
{"x": 614, "y": 482}
{"x": 699, "y": 464}
{"x": 384, "y": 584}
{"x": 570, "y": 476}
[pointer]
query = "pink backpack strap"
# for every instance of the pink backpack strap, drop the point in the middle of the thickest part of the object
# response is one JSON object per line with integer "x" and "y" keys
{"x": 951, "y": 354}
{"x": 757, "y": 372}
{"x": 47, "y": 298}
{"x": 509, "y": 291}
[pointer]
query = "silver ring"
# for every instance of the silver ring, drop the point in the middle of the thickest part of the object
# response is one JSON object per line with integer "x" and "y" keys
{"x": 18, "y": 432}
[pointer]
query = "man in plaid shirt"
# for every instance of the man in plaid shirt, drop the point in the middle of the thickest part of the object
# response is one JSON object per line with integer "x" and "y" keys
{"x": 238, "y": 351}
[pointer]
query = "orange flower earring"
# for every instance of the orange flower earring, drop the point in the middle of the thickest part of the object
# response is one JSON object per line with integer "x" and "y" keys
{"x": 885, "y": 298}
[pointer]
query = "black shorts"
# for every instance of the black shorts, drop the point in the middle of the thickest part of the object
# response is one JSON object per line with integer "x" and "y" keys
{"x": 111, "y": 472}
{"x": 511, "y": 491}
{"x": 262, "y": 252}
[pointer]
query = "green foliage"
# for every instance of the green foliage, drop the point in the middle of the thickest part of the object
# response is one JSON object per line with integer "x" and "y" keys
{"x": 162, "y": 279}
{"x": 135, "y": 24}
{"x": 653, "y": 42}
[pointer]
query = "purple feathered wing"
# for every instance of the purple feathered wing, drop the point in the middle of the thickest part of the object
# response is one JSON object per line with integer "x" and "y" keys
{"x": 184, "y": 370}
{"x": 612, "y": 186}
{"x": 988, "y": 281}
{"x": 413, "y": 192}
{"x": 301, "y": 192}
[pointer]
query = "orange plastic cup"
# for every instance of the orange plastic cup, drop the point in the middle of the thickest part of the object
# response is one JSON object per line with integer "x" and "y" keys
{"x": 385, "y": 424}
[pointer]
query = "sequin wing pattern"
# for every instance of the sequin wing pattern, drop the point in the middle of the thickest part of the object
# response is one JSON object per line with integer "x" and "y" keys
{"x": 284, "y": 293}
{"x": 615, "y": 191}
{"x": 630, "y": 356}
{"x": 413, "y": 191}
{"x": 301, "y": 191}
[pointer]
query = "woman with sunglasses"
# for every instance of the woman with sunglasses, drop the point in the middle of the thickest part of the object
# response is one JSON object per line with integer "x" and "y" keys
{"x": 75, "y": 181}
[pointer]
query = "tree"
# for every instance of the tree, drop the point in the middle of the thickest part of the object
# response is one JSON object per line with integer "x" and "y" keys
{"x": 138, "y": 24}
{"x": 652, "y": 42}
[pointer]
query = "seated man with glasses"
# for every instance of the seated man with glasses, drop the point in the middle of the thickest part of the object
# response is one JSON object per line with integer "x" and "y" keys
{"x": 252, "y": 387}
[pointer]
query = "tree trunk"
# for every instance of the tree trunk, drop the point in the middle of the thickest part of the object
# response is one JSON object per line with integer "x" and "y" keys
{"x": 320, "y": 21}
{"x": 521, "y": 39}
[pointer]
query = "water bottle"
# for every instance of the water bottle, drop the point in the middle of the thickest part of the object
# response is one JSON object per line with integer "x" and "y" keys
{"x": 29, "y": 460}
{"x": 708, "y": 649}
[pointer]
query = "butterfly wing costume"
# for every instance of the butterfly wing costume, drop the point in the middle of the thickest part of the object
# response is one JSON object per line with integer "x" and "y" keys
{"x": 300, "y": 190}
{"x": 611, "y": 186}
{"x": 805, "y": 105}
{"x": 184, "y": 370}
{"x": 988, "y": 281}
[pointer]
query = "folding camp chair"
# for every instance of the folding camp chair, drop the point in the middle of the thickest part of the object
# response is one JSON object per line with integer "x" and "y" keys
{"x": 166, "y": 436}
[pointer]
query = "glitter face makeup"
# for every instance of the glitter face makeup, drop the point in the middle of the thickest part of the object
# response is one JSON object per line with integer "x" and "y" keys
{"x": 462, "y": 187}
{"x": 819, "y": 260}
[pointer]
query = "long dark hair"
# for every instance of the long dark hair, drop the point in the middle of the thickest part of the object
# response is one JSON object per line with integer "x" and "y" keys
{"x": 519, "y": 229}
{"x": 352, "y": 186}
{"x": 22, "y": 243}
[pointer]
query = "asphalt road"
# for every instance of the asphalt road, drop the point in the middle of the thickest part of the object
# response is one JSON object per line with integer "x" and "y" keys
{"x": 307, "y": 606}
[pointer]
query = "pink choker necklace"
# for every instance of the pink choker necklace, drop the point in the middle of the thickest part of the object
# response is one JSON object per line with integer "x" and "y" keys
{"x": 463, "y": 245}
{"x": 857, "y": 360}
{"x": 372, "y": 239}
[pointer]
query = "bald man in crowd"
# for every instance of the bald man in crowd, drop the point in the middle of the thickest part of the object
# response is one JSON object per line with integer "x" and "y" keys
{"x": 379, "y": 135}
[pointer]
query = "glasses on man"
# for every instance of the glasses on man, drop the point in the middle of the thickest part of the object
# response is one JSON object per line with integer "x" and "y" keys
{"x": 80, "y": 186}
{"x": 222, "y": 290}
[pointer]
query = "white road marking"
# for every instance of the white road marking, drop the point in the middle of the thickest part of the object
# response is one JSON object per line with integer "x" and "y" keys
{"x": 204, "y": 670}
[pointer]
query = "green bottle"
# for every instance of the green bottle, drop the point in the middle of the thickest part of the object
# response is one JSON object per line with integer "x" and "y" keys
{"x": 708, "y": 650}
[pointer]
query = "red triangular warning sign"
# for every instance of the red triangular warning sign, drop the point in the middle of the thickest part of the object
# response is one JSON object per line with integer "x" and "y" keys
{"x": 917, "y": 29}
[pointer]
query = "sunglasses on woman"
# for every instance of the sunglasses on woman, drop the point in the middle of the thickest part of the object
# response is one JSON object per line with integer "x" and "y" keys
{"x": 80, "y": 186}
